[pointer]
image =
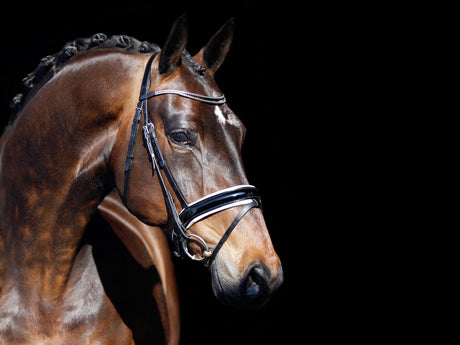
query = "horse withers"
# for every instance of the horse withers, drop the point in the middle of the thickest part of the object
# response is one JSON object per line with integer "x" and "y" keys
{"x": 67, "y": 148}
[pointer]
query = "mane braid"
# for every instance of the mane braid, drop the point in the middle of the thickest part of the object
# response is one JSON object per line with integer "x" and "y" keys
{"x": 51, "y": 63}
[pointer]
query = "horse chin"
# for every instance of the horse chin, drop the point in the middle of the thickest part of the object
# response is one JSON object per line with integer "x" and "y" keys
{"x": 248, "y": 292}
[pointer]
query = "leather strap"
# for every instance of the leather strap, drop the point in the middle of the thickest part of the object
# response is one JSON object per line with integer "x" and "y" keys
{"x": 135, "y": 128}
{"x": 196, "y": 97}
{"x": 252, "y": 204}
{"x": 217, "y": 202}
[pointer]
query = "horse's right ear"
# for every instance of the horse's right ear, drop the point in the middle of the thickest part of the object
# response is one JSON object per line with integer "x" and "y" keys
{"x": 174, "y": 46}
{"x": 213, "y": 54}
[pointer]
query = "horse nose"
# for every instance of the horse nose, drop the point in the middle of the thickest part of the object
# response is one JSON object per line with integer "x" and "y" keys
{"x": 258, "y": 285}
{"x": 255, "y": 282}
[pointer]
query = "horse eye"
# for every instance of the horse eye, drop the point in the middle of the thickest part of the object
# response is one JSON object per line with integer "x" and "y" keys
{"x": 180, "y": 138}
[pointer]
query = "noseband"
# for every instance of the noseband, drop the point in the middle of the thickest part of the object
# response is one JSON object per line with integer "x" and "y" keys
{"x": 242, "y": 195}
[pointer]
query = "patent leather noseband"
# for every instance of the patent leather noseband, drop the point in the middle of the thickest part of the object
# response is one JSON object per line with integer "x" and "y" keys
{"x": 242, "y": 195}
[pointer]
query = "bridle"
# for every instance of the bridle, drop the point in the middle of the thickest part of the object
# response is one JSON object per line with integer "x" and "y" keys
{"x": 241, "y": 195}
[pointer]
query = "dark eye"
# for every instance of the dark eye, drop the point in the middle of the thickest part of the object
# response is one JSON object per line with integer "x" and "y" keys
{"x": 180, "y": 138}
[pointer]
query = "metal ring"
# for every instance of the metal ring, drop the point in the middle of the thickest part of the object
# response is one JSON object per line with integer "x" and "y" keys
{"x": 203, "y": 244}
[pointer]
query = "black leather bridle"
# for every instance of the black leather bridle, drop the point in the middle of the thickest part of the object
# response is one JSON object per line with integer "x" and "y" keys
{"x": 241, "y": 195}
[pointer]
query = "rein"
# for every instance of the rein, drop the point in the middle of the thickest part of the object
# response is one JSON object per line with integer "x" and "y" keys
{"x": 241, "y": 195}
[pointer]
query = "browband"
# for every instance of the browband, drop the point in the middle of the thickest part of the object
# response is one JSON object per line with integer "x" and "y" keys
{"x": 196, "y": 97}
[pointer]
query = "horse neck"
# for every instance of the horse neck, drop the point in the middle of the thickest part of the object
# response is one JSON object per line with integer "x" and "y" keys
{"x": 53, "y": 168}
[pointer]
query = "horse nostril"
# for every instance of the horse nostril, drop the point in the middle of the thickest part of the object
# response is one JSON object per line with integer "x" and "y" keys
{"x": 256, "y": 282}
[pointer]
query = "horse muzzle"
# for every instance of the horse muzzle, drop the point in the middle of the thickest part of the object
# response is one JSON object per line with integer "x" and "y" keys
{"x": 252, "y": 291}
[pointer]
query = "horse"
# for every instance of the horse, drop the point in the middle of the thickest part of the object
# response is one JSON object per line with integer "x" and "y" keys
{"x": 74, "y": 142}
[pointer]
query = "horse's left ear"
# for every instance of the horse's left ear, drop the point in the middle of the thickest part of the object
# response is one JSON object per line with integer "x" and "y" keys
{"x": 213, "y": 54}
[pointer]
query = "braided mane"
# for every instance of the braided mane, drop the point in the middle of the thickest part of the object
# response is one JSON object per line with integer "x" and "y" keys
{"x": 50, "y": 64}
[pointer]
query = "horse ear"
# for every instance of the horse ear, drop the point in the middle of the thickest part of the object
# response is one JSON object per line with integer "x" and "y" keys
{"x": 213, "y": 54}
{"x": 174, "y": 46}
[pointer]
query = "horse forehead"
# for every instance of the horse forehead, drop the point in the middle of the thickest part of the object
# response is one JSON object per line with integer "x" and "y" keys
{"x": 227, "y": 117}
{"x": 187, "y": 80}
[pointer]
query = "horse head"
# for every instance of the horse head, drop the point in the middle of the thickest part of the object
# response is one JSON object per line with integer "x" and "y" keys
{"x": 199, "y": 141}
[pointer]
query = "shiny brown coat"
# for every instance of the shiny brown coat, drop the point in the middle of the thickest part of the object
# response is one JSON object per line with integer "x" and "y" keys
{"x": 64, "y": 154}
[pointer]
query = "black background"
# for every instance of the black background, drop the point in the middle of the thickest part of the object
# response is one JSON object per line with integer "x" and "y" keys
{"x": 282, "y": 78}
